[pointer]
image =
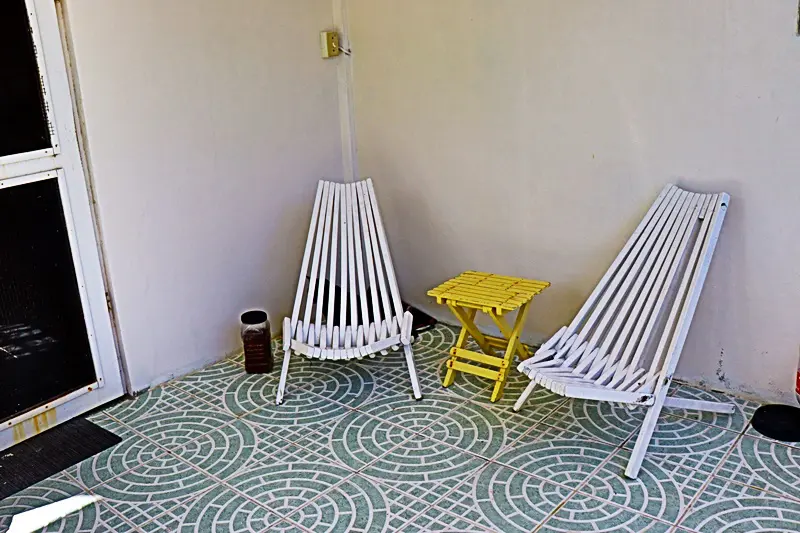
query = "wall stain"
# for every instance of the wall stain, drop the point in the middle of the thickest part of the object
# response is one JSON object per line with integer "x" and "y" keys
{"x": 721, "y": 371}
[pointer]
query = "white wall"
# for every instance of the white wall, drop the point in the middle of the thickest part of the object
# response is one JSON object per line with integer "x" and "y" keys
{"x": 529, "y": 137}
{"x": 208, "y": 125}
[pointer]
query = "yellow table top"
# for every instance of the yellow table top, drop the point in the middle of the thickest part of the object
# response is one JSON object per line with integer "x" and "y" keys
{"x": 482, "y": 290}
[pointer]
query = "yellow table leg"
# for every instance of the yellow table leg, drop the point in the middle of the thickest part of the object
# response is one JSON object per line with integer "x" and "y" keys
{"x": 460, "y": 343}
{"x": 466, "y": 318}
{"x": 508, "y": 359}
{"x": 522, "y": 350}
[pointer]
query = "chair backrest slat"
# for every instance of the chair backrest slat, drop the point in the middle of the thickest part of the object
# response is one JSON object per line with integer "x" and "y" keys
{"x": 329, "y": 314}
{"x": 312, "y": 281}
{"x": 366, "y": 242}
{"x": 620, "y": 275}
{"x": 387, "y": 257}
{"x": 323, "y": 267}
{"x": 676, "y": 260}
{"x": 351, "y": 259}
{"x": 346, "y": 258}
{"x": 674, "y": 335}
{"x": 385, "y": 298}
{"x": 602, "y": 336}
{"x": 362, "y": 283}
{"x": 612, "y": 270}
{"x": 631, "y": 290}
{"x": 306, "y": 256}
{"x": 634, "y": 324}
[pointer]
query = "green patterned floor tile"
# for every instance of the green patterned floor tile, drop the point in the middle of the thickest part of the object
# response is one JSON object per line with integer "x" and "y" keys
{"x": 153, "y": 488}
{"x": 284, "y": 526}
{"x": 486, "y": 429}
{"x": 410, "y": 414}
{"x": 437, "y": 520}
{"x": 662, "y": 490}
{"x": 304, "y": 417}
{"x": 106, "y": 465}
{"x": 212, "y": 382}
{"x": 358, "y": 439}
{"x": 423, "y": 468}
{"x": 95, "y": 517}
{"x": 601, "y": 421}
{"x": 284, "y": 488}
{"x": 357, "y": 504}
{"x": 477, "y": 429}
{"x": 556, "y": 456}
{"x": 727, "y": 507}
{"x": 164, "y": 399}
{"x": 173, "y": 430}
{"x": 734, "y": 422}
{"x": 765, "y": 465}
{"x": 392, "y": 379}
{"x": 582, "y": 513}
{"x": 434, "y": 345}
{"x": 233, "y": 448}
{"x": 344, "y": 382}
{"x": 502, "y": 499}
{"x": 681, "y": 442}
{"x": 217, "y": 510}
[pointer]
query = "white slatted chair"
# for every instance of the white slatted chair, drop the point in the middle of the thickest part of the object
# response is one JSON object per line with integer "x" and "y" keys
{"x": 609, "y": 351}
{"x": 347, "y": 239}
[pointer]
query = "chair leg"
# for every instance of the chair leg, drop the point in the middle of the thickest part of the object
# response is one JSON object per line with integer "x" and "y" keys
{"x": 524, "y": 396}
{"x": 284, "y": 375}
{"x": 412, "y": 371}
{"x": 643, "y": 440}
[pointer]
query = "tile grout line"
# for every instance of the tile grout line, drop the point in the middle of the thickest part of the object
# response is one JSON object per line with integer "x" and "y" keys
{"x": 101, "y": 502}
{"x": 705, "y": 485}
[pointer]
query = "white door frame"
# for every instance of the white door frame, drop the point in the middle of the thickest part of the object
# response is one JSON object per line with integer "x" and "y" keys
{"x": 63, "y": 162}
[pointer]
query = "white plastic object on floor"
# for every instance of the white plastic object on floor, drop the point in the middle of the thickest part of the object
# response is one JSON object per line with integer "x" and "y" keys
{"x": 347, "y": 238}
{"x": 41, "y": 517}
{"x": 649, "y": 293}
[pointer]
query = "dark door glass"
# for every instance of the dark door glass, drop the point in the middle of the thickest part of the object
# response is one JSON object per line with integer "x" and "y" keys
{"x": 44, "y": 345}
{"x": 23, "y": 122}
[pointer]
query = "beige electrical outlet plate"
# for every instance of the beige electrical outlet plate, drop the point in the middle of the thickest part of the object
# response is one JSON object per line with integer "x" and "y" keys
{"x": 330, "y": 44}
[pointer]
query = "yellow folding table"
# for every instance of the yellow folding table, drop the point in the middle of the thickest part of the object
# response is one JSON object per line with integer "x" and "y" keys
{"x": 470, "y": 292}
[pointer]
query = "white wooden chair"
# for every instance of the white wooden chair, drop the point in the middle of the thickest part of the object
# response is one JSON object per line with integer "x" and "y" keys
{"x": 347, "y": 239}
{"x": 623, "y": 345}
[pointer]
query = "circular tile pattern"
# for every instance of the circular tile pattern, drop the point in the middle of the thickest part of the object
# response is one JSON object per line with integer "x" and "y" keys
{"x": 358, "y": 439}
{"x": 172, "y": 430}
{"x": 166, "y": 480}
{"x": 472, "y": 427}
{"x": 607, "y": 421}
{"x": 583, "y": 513}
{"x": 305, "y": 493}
{"x": 128, "y": 454}
{"x": 513, "y": 501}
{"x": 774, "y": 463}
{"x": 559, "y": 461}
{"x": 655, "y": 492}
{"x": 345, "y": 382}
{"x": 684, "y": 436}
{"x": 221, "y": 509}
{"x": 44, "y": 493}
{"x": 301, "y": 407}
{"x": 434, "y": 345}
{"x": 354, "y": 505}
{"x": 741, "y": 515}
{"x": 222, "y": 452}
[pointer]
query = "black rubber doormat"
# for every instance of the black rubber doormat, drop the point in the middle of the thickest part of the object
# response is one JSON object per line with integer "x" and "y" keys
{"x": 51, "y": 452}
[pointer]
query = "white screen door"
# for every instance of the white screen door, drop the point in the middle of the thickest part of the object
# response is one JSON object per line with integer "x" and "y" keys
{"x": 57, "y": 353}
